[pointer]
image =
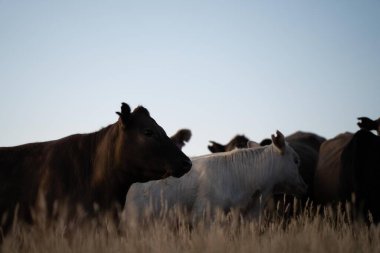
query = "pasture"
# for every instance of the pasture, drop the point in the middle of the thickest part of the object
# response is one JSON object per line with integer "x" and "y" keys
{"x": 305, "y": 232}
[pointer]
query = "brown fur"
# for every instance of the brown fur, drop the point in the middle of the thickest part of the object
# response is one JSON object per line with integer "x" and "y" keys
{"x": 88, "y": 170}
{"x": 326, "y": 179}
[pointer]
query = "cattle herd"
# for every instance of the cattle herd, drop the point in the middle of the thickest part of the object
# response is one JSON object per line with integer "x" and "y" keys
{"x": 132, "y": 167}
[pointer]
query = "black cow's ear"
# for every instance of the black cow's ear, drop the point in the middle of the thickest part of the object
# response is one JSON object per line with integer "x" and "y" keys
{"x": 125, "y": 112}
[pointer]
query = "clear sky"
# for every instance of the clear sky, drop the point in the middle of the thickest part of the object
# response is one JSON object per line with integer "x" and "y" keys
{"x": 220, "y": 68}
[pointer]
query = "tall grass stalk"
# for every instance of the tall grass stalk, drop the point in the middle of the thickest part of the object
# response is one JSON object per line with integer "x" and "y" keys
{"x": 303, "y": 232}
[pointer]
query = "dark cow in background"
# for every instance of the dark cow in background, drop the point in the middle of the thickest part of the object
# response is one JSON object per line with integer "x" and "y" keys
{"x": 312, "y": 140}
{"x": 307, "y": 146}
{"x": 361, "y": 173}
{"x": 92, "y": 170}
{"x": 239, "y": 141}
{"x": 181, "y": 137}
{"x": 353, "y": 171}
{"x": 327, "y": 173}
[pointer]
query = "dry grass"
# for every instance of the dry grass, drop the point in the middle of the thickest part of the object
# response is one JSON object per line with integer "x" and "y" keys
{"x": 302, "y": 233}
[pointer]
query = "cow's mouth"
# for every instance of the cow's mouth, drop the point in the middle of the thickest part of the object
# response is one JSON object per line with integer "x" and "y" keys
{"x": 186, "y": 166}
{"x": 297, "y": 190}
{"x": 301, "y": 189}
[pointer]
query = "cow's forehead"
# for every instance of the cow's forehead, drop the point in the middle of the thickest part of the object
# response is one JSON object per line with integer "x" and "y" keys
{"x": 145, "y": 121}
{"x": 142, "y": 119}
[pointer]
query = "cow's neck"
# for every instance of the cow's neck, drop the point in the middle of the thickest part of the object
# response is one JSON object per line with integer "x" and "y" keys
{"x": 251, "y": 169}
{"x": 106, "y": 164}
{"x": 264, "y": 180}
{"x": 260, "y": 171}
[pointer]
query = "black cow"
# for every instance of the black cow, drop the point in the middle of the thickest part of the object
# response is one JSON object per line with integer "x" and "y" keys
{"x": 307, "y": 146}
{"x": 349, "y": 169}
{"x": 92, "y": 170}
{"x": 361, "y": 173}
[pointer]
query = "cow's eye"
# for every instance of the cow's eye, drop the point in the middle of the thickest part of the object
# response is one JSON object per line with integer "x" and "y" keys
{"x": 148, "y": 132}
{"x": 296, "y": 160}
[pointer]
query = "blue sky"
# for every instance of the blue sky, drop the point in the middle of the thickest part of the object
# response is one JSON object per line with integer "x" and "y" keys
{"x": 220, "y": 68}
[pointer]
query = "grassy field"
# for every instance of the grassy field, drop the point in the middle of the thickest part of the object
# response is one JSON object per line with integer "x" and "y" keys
{"x": 305, "y": 232}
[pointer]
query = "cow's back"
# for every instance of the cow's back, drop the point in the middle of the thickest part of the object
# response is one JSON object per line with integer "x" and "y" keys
{"x": 154, "y": 198}
{"x": 158, "y": 197}
{"x": 13, "y": 158}
{"x": 20, "y": 174}
{"x": 50, "y": 170}
{"x": 310, "y": 139}
{"x": 20, "y": 168}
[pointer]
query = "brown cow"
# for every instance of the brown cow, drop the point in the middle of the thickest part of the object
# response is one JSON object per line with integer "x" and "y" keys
{"x": 93, "y": 170}
{"x": 326, "y": 177}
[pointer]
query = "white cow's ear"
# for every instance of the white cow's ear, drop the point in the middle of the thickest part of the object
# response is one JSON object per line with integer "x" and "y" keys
{"x": 279, "y": 141}
{"x": 252, "y": 144}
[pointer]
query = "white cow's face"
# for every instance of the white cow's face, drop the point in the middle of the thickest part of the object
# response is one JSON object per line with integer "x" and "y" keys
{"x": 289, "y": 178}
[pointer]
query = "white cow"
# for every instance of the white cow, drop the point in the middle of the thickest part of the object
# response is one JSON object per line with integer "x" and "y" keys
{"x": 227, "y": 181}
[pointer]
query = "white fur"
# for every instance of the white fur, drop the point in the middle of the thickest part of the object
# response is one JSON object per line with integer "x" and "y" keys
{"x": 222, "y": 181}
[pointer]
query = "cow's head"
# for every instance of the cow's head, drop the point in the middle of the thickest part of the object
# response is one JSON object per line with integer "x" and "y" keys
{"x": 290, "y": 180}
{"x": 369, "y": 124}
{"x": 148, "y": 152}
{"x": 239, "y": 141}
